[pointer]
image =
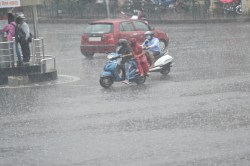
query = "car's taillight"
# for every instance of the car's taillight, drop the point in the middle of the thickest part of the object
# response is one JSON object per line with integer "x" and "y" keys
{"x": 84, "y": 39}
{"x": 109, "y": 38}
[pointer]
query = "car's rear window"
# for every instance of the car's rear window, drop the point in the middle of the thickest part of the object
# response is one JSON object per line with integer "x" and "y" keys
{"x": 100, "y": 28}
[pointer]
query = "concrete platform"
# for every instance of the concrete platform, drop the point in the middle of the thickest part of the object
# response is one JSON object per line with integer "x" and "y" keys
{"x": 18, "y": 80}
{"x": 23, "y": 75}
{"x": 40, "y": 77}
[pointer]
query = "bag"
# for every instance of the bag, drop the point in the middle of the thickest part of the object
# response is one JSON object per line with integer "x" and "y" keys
{"x": 30, "y": 38}
{"x": 20, "y": 34}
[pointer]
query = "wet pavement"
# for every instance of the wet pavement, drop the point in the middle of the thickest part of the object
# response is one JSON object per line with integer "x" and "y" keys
{"x": 198, "y": 115}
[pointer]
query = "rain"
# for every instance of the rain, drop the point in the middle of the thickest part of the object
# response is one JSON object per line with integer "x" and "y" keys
{"x": 197, "y": 114}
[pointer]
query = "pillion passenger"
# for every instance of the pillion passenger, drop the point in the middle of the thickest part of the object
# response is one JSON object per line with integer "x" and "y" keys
{"x": 152, "y": 46}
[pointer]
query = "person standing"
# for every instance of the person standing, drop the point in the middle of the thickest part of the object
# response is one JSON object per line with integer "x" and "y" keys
{"x": 23, "y": 35}
{"x": 9, "y": 29}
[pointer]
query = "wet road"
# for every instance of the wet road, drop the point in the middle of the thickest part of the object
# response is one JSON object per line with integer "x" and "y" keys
{"x": 198, "y": 115}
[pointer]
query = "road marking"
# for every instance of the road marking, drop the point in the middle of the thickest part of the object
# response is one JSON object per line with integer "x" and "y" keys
{"x": 62, "y": 79}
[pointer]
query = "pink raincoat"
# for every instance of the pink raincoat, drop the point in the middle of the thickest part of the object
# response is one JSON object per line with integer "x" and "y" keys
{"x": 10, "y": 29}
{"x": 226, "y": 1}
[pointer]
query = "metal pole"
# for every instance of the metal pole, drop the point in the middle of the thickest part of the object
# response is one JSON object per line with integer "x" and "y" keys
{"x": 14, "y": 50}
{"x": 55, "y": 63}
{"x": 43, "y": 47}
{"x": 11, "y": 54}
{"x": 57, "y": 8}
{"x": 107, "y": 8}
{"x": 32, "y": 50}
{"x": 35, "y": 20}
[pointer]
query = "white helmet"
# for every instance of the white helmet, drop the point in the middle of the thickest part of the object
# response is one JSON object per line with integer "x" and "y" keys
{"x": 21, "y": 15}
{"x": 149, "y": 33}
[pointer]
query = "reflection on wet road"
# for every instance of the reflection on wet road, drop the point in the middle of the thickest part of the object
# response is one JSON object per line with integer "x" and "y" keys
{"x": 197, "y": 115}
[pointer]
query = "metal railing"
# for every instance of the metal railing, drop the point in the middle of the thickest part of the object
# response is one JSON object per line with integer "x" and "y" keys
{"x": 38, "y": 57}
{"x": 7, "y": 54}
{"x": 37, "y": 50}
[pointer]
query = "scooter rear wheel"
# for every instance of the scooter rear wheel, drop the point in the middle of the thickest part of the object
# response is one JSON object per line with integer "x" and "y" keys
{"x": 106, "y": 82}
{"x": 165, "y": 70}
{"x": 140, "y": 80}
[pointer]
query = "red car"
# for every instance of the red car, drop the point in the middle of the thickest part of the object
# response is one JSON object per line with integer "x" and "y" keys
{"x": 103, "y": 35}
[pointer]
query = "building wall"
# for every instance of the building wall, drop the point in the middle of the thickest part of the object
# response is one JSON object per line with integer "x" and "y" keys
{"x": 30, "y": 2}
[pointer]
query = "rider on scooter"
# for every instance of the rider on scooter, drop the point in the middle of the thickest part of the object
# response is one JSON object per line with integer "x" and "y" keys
{"x": 126, "y": 51}
{"x": 152, "y": 46}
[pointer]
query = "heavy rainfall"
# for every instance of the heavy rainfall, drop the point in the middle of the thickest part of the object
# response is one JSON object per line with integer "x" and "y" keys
{"x": 197, "y": 114}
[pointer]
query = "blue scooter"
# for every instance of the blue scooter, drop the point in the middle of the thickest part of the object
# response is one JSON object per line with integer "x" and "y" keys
{"x": 114, "y": 71}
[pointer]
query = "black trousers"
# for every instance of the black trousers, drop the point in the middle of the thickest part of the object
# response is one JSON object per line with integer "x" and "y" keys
{"x": 25, "y": 50}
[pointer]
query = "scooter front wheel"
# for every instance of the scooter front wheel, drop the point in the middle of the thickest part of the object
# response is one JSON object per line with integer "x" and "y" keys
{"x": 106, "y": 82}
{"x": 163, "y": 46}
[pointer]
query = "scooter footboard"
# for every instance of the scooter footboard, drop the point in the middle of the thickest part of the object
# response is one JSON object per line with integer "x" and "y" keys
{"x": 114, "y": 76}
{"x": 133, "y": 68}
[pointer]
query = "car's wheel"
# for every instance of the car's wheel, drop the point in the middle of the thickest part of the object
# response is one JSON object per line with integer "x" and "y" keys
{"x": 163, "y": 46}
{"x": 88, "y": 54}
{"x": 140, "y": 79}
{"x": 165, "y": 70}
{"x": 106, "y": 82}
